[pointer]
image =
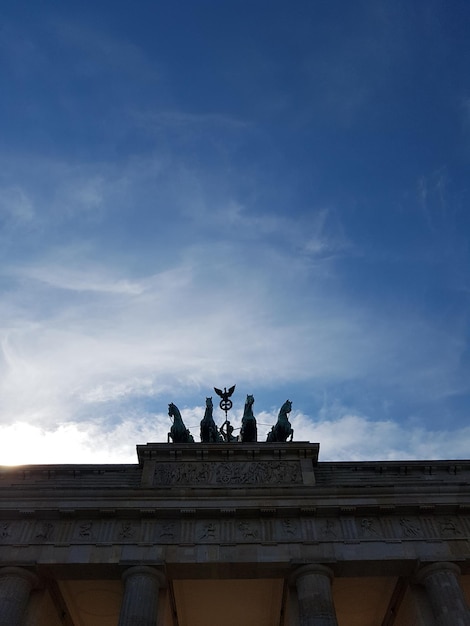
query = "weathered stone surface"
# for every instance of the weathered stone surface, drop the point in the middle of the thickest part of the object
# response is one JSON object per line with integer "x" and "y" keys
{"x": 231, "y": 511}
{"x": 441, "y": 581}
{"x": 140, "y": 601}
{"x": 16, "y": 584}
{"x": 316, "y": 607}
{"x": 258, "y": 473}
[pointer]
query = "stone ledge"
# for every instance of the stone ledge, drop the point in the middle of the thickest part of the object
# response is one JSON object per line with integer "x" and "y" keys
{"x": 228, "y": 452}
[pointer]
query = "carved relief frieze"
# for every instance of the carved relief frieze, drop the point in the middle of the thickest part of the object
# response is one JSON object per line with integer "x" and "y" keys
{"x": 248, "y": 530}
{"x": 208, "y": 532}
{"x": 411, "y": 528}
{"x": 235, "y": 530}
{"x": 45, "y": 531}
{"x": 449, "y": 527}
{"x": 369, "y": 528}
{"x": 330, "y": 530}
{"x": 290, "y": 528}
{"x": 5, "y": 531}
{"x": 85, "y": 530}
{"x": 127, "y": 530}
{"x": 167, "y": 531}
{"x": 228, "y": 473}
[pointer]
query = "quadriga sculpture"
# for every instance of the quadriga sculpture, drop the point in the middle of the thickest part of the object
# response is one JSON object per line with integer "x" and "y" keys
{"x": 282, "y": 429}
{"x": 178, "y": 431}
{"x": 248, "y": 431}
{"x": 209, "y": 431}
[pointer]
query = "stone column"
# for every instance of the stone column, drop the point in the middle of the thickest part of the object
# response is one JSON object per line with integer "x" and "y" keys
{"x": 315, "y": 599}
{"x": 140, "y": 600}
{"x": 445, "y": 595}
{"x": 16, "y": 584}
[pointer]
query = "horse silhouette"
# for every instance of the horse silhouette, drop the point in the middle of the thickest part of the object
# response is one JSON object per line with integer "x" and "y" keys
{"x": 209, "y": 431}
{"x": 178, "y": 431}
{"x": 282, "y": 429}
{"x": 248, "y": 431}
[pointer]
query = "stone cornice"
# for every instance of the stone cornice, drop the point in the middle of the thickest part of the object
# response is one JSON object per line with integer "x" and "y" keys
{"x": 203, "y": 475}
{"x": 214, "y": 452}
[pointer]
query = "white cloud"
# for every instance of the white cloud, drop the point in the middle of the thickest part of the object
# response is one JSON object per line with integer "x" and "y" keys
{"x": 107, "y": 339}
{"x": 49, "y": 193}
{"x": 94, "y": 278}
{"x": 347, "y": 438}
{"x": 187, "y": 246}
{"x": 84, "y": 337}
{"x": 352, "y": 437}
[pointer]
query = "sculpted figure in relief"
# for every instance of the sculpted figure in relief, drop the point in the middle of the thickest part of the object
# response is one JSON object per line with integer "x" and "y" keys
{"x": 227, "y": 432}
{"x": 46, "y": 531}
{"x": 85, "y": 529}
{"x": 410, "y": 528}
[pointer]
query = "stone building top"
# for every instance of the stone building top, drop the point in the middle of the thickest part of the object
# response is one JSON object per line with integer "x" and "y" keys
{"x": 228, "y": 451}
{"x": 224, "y": 465}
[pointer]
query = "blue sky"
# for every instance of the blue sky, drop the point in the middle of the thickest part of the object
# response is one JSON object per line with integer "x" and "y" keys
{"x": 207, "y": 193}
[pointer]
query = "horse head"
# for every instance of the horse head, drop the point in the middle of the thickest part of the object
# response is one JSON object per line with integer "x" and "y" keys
{"x": 282, "y": 428}
{"x": 174, "y": 412}
{"x": 286, "y": 407}
{"x": 209, "y": 404}
{"x": 250, "y": 400}
{"x": 178, "y": 431}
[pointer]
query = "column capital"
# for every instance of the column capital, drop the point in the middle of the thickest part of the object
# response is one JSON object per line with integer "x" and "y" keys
{"x": 145, "y": 570}
{"x": 433, "y": 568}
{"x": 310, "y": 568}
{"x": 20, "y": 572}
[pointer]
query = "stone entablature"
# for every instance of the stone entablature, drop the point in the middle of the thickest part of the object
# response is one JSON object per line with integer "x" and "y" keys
{"x": 233, "y": 511}
{"x": 224, "y": 495}
{"x": 233, "y": 527}
{"x": 284, "y": 480}
{"x": 228, "y": 465}
{"x": 232, "y": 465}
{"x": 327, "y": 474}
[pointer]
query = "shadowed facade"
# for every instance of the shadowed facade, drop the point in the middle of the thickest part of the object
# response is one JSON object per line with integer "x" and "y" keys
{"x": 219, "y": 534}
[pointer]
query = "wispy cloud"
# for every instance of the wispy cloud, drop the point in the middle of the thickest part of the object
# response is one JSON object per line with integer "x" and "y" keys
{"x": 96, "y": 338}
{"x": 16, "y": 207}
{"x": 170, "y": 220}
{"x": 231, "y": 294}
{"x": 184, "y": 121}
{"x": 433, "y": 193}
{"x": 94, "y": 279}
{"x": 99, "y": 53}
{"x": 49, "y": 192}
